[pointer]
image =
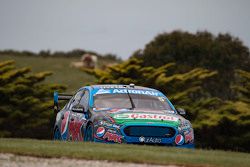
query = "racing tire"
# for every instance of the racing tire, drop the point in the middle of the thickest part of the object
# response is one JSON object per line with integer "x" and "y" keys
{"x": 89, "y": 135}
{"x": 57, "y": 134}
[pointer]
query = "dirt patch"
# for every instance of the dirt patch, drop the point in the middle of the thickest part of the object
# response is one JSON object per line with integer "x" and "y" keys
{"x": 11, "y": 160}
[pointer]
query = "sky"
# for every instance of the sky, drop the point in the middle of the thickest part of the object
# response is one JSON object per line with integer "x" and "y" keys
{"x": 114, "y": 26}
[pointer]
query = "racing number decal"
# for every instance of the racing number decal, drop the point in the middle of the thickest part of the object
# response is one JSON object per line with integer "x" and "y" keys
{"x": 75, "y": 126}
{"x": 64, "y": 125}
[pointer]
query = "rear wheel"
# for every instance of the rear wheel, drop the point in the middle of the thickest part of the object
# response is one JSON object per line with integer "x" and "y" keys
{"x": 57, "y": 134}
{"x": 89, "y": 135}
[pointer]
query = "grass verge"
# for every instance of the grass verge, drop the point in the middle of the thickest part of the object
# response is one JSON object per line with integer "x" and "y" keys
{"x": 124, "y": 153}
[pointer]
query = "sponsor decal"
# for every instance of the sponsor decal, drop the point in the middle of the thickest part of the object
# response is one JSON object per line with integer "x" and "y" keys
{"x": 149, "y": 140}
{"x": 170, "y": 111}
{"x": 64, "y": 123}
{"x": 100, "y": 131}
{"x": 114, "y": 110}
{"x": 121, "y": 116}
{"x": 103, "y": 91}
{"x": 179, "y": 139}
{"x": 142, "y": 139}
{"x": 112, "y": 137}
{"x": 134, "y": 91}
{"x": 185, "y": 125}
{"x": 110, "y": 125}
{"x": 162, "y": 99}
{"x": 146, "y": 116}
{"x": 111, "y": 86}
{"x": 106, "y": 90}
{"x": 189, "y": 137}
{"x": 75, "y": 130}
{"x": 111, "y": 131}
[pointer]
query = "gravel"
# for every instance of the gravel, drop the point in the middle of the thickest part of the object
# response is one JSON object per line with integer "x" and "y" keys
{"x": 11, "y": 160}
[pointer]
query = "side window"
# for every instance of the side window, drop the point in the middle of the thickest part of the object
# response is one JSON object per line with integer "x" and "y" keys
{"x": 69, "y": 103}
{"x": 78, "y": 96}
{"x": 85, "y": 100}
{"x": 76, "y": 99}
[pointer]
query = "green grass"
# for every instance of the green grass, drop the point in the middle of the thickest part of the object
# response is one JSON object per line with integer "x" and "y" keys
{"x": 124, "y": 153}
{"x": 60, "y": 66}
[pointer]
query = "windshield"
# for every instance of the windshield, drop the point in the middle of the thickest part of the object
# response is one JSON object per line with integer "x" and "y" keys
{"x": 122, "y": 101}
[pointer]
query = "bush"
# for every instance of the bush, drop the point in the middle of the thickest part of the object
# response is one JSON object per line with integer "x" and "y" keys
{"x": 25, "y": 103}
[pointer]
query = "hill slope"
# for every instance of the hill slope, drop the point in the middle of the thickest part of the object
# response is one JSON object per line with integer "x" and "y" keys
{"x": 60, "y": 66}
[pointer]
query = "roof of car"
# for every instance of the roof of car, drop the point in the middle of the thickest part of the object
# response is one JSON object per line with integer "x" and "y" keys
{"x": 109, "y": 86}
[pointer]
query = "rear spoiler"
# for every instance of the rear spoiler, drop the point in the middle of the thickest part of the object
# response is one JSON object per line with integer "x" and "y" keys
{"x": 60, "y": 96}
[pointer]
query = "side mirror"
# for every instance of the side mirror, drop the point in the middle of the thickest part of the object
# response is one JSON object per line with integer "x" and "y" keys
{"x": 78, "y": 109}
{"x": 181, "y": 111}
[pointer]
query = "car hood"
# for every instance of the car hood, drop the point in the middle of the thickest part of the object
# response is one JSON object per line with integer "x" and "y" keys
{"x": 128, "y": 116}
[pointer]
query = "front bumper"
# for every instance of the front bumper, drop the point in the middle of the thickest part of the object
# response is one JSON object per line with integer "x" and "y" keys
{"x": 119, "y": 136}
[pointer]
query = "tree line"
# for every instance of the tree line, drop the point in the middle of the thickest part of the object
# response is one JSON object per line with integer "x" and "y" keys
{"x": 73, "y": 53}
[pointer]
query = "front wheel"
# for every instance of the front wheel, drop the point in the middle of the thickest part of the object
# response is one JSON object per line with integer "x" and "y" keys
{"x": 89, "y": 135}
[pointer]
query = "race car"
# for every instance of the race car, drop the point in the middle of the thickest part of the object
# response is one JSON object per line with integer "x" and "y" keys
{"x": 121, "y": 114}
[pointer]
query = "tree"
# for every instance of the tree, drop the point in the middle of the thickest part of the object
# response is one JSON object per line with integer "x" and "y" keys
{"x": 25, "y": 103}
{"x": 222, "y": 53}
{"x": 218, "y": 123}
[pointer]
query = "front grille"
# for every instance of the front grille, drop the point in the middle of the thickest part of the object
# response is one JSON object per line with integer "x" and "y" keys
{"x": 149, "y": 131}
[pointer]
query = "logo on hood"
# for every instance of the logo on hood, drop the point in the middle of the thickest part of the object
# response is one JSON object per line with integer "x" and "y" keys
{"x": 146, "y": 116}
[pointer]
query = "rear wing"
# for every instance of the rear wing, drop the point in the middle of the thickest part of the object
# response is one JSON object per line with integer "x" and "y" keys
{"x": 60, "y": 96}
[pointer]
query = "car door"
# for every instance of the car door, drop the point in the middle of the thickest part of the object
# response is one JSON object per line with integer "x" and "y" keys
{"x": 81, "y": 120}
{"x": 65, "y": 120}
{"x": 78, "y": 119}
{"x": 71, "y": 121}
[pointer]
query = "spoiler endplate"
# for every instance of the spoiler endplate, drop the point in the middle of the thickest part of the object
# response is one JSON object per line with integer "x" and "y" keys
{"x": 60, "y": 96}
